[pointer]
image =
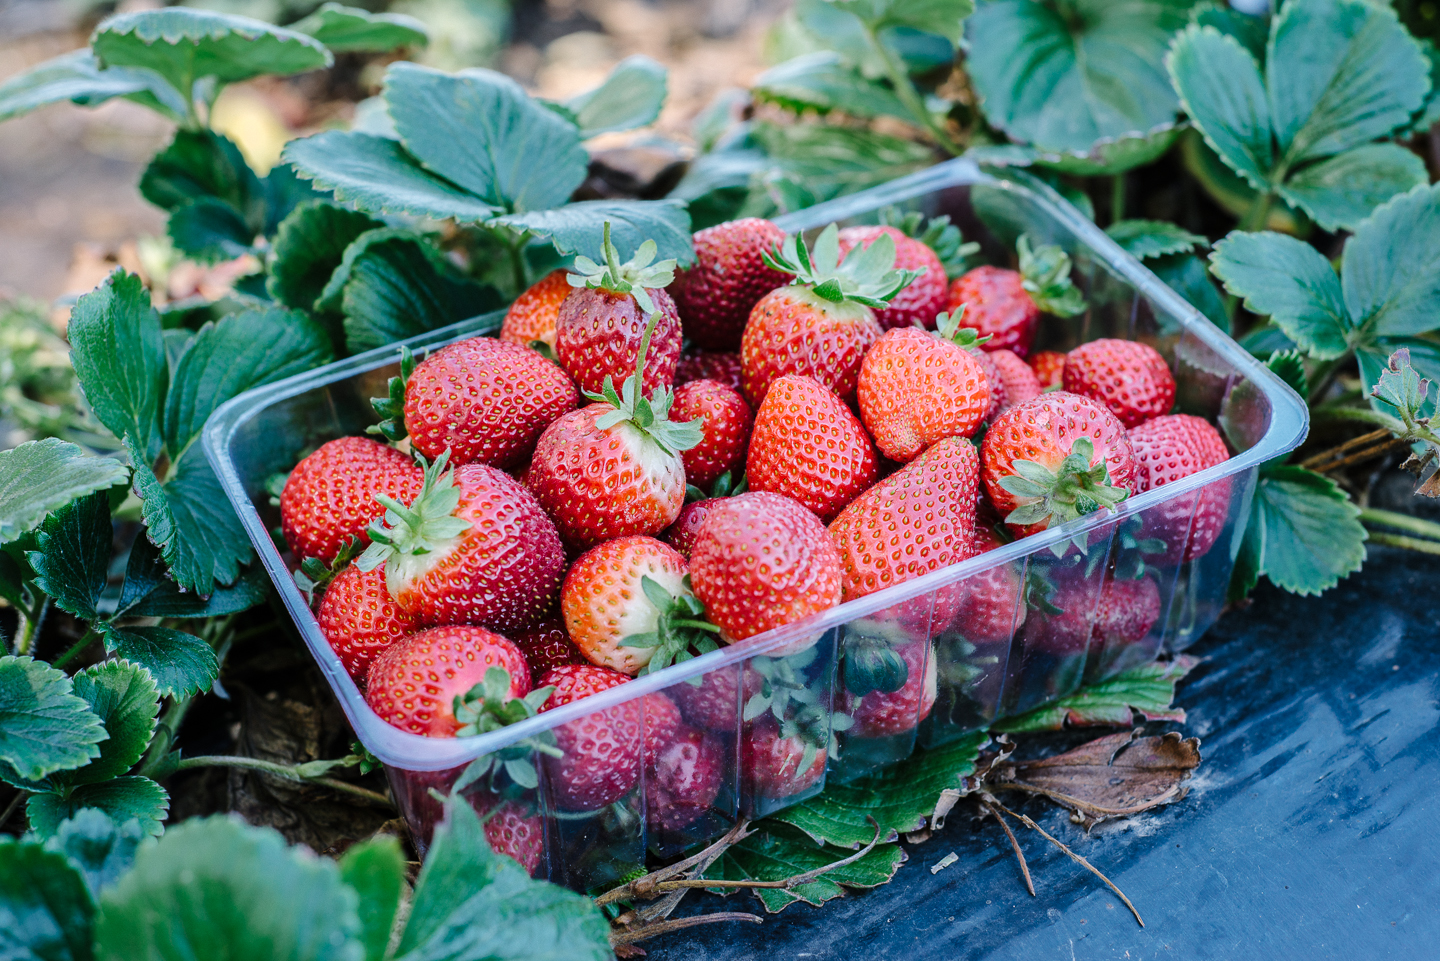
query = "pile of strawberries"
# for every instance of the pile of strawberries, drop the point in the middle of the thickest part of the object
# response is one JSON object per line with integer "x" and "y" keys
{"x": 647, "y": 464}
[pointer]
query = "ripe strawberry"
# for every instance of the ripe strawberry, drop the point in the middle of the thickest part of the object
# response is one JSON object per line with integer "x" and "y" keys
{"x": 916, "y": 387}
{"x": 681, "y": 534}
{"x": 628, "y": 606}
{"x": 614, "y": 468}
{"x": 600, "y": 752}
{"x": 989, "y": 608}
{"x": 546, "y": 645}
{"x": 716, "y": 295}
{"x": 485, "y": 400}
{"x": 1020, "y": 381}
{"x": 360, "y": 619}
{"x": 1049, "y": 367}
{"x": 773, "y": 765}
{"x": 604, "y": 322}
{"x": 1121, "y": 614}
{"x": 414, "y": 684}
{"x": 821, "y": 325}
{"x": 662, "y": 722}
{"x": 1055, "y": 458}
{"x": 1127, "y": 611}
{"x": 806, "y": 444}
{"x": 513, "y": 829}
{"x": 473, "y": 547}
{"x": 800, "y": 576}
{"x": 927, "y": 294}
{"x": 1129, "y": 377}
{"x": 709, "y": 366}
{"x": 683, "y": 780}
{"x": 330, "y": 496}
{"x": 888, "y": 713}
{"x": 534, "y": 314}
{"x": 1167, "y": 449}
{"x": 725, "y": 420}
{"x": 1006, "y": 304}
{"x": 992, "y": 377}
{"x": 715, "y": 702}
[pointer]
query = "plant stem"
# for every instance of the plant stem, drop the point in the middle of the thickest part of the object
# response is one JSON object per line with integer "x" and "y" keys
{"x": 282, "y": 771}
{"x": 1409, "y": 543}
{"x": 1400, "y": 522}
{"x": 517, "y": 263}
{"x": 905, "y": 90}
{"x": 1363, "y": 415}
{"x": 1325, "y": 376}
{"x": 30, "y": 622}
{"x": 1117, "y": 198}
{"x": 85, "y": 641}
{"x": 1258, "y": 213}
{"x": 10, "y": 808}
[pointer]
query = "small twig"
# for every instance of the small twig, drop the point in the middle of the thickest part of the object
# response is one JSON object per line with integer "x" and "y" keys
{"x": 1073, "y": 856}
{"x": 1354, "y": 451}
{"x": 86, "y": 639}
{"x": 1408, "y": 543}
{"x": 10, "y": 808}
{"x": 1401, "y": 522}
{"x": 619, "y": 936}
{"x": 662, "y": 909}
{"x": 1014, "y": 843}
{"x": 282, "y": 771}
{"x": 642, "y": 887}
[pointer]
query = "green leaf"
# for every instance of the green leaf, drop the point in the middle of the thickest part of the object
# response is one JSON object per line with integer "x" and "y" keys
{"x": 900, "y": 798}
{"x": 481, "y": 131}
{"x": 1064, "y": 81}
{"x": 630, "y": 97}
{"x": 309, "y": 245}
{"x": 1252, "y": 32}
{"x": 353, "y": 30}
{"x": 181, "y": 664}
{"x": 1009, "y": 214}
{"x": 1220, "y": 87}
{"x": 1147, "y": 691}
{"x": 1230, "y": 190}
{"x": 96, "y": 847}
{"x": 1342, "y": 190}
{"x": 1391, "y": 269}
{"x": 233, "y": 355}
{"x": 44, "y": 725}
{"x": 210, "y": 231}
{"x": 823, "y": 81}
{"x": 75, "y": 76}
{"x": 149, "y": 590}
{"x": 779, "y": 852}
{"x": 123, "y": 696}
{"x": 1113, "y": 155}
{"x": 74, "y": 554}
{"x": 219, "y": 889}
{"x": 1424, "y": 358}
{"x": 376, "y": 175}
{"x": 578, "y": 228}
{"x": 183, "y": 45}
{"x": 1186, "y": 275}
{"x": 1153, "y": 238}
{"x": 1289, "y": 366}
{"x": 375, "y": 869}
{"x": 40, "y": 476}
{"x": 1306, "y": 533}
{"x": 1430, "y": 115}
{"x": 202, "y": 164}
{"x": 1289, "y": 281}
{"x": 46, "y": 912}
{"x": 821, "y": 161}
{"x": 129, "y": 798}
{"x": 119, "y": 357}
{"x": 473, "y": 903}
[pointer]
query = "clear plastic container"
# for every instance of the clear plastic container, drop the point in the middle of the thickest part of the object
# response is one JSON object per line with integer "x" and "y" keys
{"x": 766, "y": 722}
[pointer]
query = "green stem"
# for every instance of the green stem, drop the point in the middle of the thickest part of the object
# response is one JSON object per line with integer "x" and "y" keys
{"x": 905, "y": 90}
{"x": 30, "y": 622}
{"x": 85, "y": 641}
{"x": 1362, "y": 415}
{"x": 282, "y": 771}
{"x": 1258, "y": 213}
{"x": 517, "y": 263}
{"x": 1325, "y": 375}
{"x": 10, "y": 808}
{"x": 1117, "y": 198}
{"x": 1408, "y": 543}
{"x": 1401, "y": 522}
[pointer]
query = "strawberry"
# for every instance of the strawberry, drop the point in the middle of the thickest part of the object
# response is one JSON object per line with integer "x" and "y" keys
{"x": 546, "y": 645}
{"x": 725, "y": 421}
{"x": 1166, "y": 449}
{"x": 600, "y": 752}
{"x": 1049, "y": 367}
{"x": 473, "y": 547}
{"x": 1122, "y": 614}
{"x": 1129, "y": 377}
{"x": 1020, "y": 382}
{"x": 821, "y": 325}
{"x": 992, "y": 377}
{"x": 534, "y": 315}
{"x": 730, "y": 274}
{"x": 359, "y": 618}
{"x": 714, "y": 703}
{"x": 882, "y": 713}
{"x": 1006, "y": 304}
{"x": 614, "y": 468}
{"x": 513, "y": 829}
{"x": 484, "y": 400}
{"x": 916, "y": 387}
{"x": 708, "y": 366}
{"x": 800, "y": 576}
{"x": 628, "y": 606}
{"x": 989, "y": 608}
{"x": 774, "y": 765}
{"x": 807, "y": 445}
{"x": 662, "y": 721}
{"x": 1055, "y": 458}
{"x": 1127, "y": 611}
{"x": 927, "y": 294}
{"x": 330, "y": 496}
{"x": 604, "y": 322}
{"x": 415, "y": 683}
{"x": 683, "y": 780}
{"x": 681, "y": 534}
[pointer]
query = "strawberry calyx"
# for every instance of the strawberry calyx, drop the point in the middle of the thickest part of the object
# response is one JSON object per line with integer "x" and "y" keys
{"x": 408, "y": 539}
{"x": 867, "y": 275}
{"x": 1072, "y": 490}
{"x": 937, "y": 233}
{"x": 724, "y": 486}
{"x": 632, "y": 277}
{"x": 392, "y": 407}
{"x": 680, "y": 632}
{"x": 798, "y": 706}
{"x": 650, "y": 415}
{"x": 871, "y": 662}
{"x": 1045, "y": 275}
{"x": 951, "y": 327}
{"x": 488, "y": 707}
{"x": 314, "y": 574}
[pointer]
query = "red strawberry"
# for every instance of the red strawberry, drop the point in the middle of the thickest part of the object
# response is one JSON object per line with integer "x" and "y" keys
{"x": 1129, "y": 377}
{"x": 473, "y": 547}
{"x": 776, "y": 766}
{"x": 927, "y": 294}
{"x": 1020, "y": 381}
{"x": 1167, "y": 449}
{"x": 605, "y": 320}
{"x": 683, "y": 780}
{"x": 534, "y": 314}
{"x": 888, "y": 713}
{"x": 992, "y": 377}
{"x": 1127, "y": 611}
{"x": 330, "y": 496}
{"x": 716, "y": 295}
{"x": 1055, "y": 458}
{"x": 989, "y": 608}
{"x": 546, "y": 645}
{"x": 807, "y": 445}
{"x": 413, "y": 685}
{"x": 628, "y": 606}
{"x": 614, "y": 468}
{"x": 715, "y": 702}
{"x": 1064, "y": 625}
{"x": 1049, "y": 367}
{"x": 800, "y": 576}
{"x": 360, "y": 619}
{"x": 513, "y": 829}
{"x": 662, "y": 722}
{"x": 821, "y": 325}
{"x": 681, "y": 534}
{"x": 485, "y": 400}
{"x": 725, "y": 419}
{"x": 916, "y": 387}
{"x": 601, "y": 752}
{"x": 1006, "y": 304}
{"x": 705, "y": 366}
